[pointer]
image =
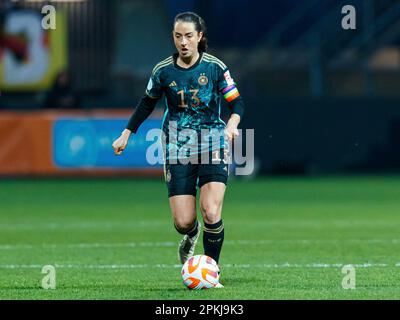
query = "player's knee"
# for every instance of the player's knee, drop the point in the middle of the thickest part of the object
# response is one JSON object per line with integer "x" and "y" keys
{"x": 183, "y": 224}
{"x": 211, "y": 211}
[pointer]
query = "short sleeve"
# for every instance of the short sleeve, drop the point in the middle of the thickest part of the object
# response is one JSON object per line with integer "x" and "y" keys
{"x": 227, "y": 86}
{"x": 154, "y": 89}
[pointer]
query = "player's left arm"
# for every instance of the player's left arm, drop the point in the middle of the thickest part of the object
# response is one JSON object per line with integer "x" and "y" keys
{"x": 235, "y": 104}
{"x": 237, "y": 112}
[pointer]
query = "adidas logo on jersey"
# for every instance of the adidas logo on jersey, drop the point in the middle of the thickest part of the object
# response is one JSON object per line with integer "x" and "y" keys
{"x": 173, "y": 84}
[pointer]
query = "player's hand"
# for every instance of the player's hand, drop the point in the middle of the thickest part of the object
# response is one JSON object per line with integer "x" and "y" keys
{"x": 120, "y": 144}
{"x": 231, "y": 132}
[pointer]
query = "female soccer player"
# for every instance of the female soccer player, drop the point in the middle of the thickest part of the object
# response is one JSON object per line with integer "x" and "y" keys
{"x": 192, "y": 82}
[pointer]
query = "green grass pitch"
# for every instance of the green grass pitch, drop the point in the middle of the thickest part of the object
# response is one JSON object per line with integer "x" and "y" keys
{"x": 285, "y": 238}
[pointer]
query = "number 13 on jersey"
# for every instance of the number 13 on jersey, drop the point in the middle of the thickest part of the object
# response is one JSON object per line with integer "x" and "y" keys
{"x": 194, "y": 98}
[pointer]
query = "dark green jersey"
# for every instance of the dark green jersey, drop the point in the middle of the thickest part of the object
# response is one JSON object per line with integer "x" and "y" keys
{"x": 192, "y": 102}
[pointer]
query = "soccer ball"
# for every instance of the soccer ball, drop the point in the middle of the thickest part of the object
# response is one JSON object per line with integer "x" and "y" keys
{"x": 200, "y": 272}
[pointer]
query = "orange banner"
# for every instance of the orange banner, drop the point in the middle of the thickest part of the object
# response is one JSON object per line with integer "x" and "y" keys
{"x": 26, "y": 144}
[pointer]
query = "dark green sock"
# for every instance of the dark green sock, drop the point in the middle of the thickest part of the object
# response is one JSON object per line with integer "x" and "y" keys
{"x": 213, "y": 239}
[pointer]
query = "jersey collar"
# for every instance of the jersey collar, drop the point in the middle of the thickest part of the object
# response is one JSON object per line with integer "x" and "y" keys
{"x": 175, "y": 57}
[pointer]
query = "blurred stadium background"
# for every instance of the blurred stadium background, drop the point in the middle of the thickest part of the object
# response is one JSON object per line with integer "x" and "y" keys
{"x": 324, "y": 103}
{"x": 320, "y": 98}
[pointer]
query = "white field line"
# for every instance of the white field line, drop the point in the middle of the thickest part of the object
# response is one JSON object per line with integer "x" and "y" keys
{"x": 177, "y": 266}
{"x": 131, "y": 224}
{"x": 88, "y": 245}
{"x": 173, "y": 244}
{"x": 80, "y": 225}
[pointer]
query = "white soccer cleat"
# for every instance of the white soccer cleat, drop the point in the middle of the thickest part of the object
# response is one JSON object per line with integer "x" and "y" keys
{"x": 187, "y": 245}
{"x": 218, "y": 285}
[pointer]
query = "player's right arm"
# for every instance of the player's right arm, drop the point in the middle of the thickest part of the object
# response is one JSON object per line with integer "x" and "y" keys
{"x": 144, "y": 108}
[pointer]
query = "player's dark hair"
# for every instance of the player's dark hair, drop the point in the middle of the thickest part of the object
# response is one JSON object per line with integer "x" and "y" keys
{"x": 199, "y": 24}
